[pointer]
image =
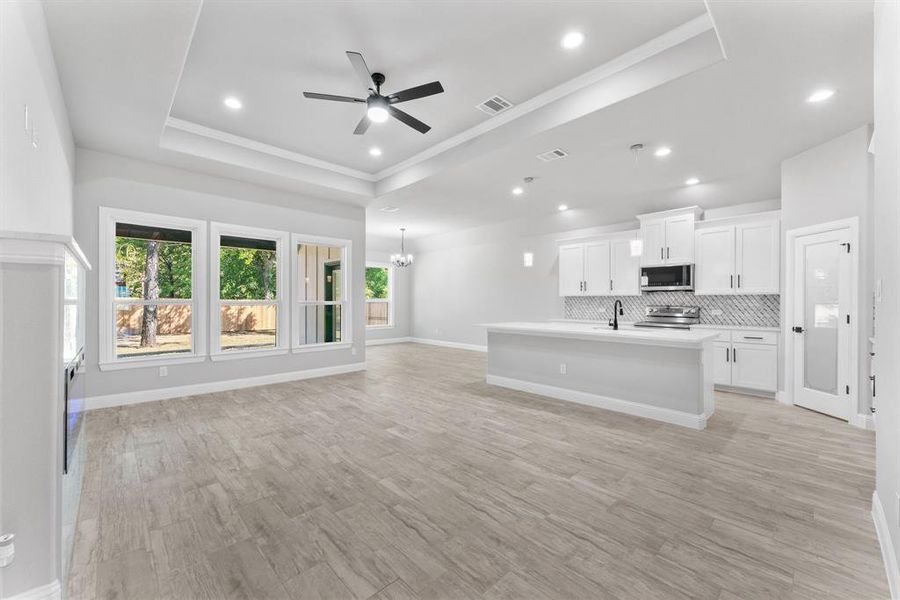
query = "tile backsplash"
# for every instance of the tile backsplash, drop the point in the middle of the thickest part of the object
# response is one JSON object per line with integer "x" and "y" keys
{"x": 748, "y": 311}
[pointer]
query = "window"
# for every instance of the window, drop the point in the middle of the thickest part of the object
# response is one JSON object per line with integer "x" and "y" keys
{"x": 321, "y": 314}
{"x": 151, "y": 268}
{"x": 248, "y": 310}
{"x": 379, "y": 295}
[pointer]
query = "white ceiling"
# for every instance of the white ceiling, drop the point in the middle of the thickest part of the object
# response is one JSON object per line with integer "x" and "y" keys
{"x": 729, "y": 122}
{"x": 267, "y": 53}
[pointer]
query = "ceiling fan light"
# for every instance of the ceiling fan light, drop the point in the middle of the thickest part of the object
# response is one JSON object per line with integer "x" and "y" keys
{"x": 377, "y": 114}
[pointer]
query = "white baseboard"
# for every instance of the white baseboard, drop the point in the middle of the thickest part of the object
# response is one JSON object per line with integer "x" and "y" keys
{"x": 666, "y": 415}
{"x": 457, "y": 345}
{"x": 51, "y": 591}
{"x": 122, "y": 399}
{"x": 783, "y": 397}
{"x": 887, "y": 547}
{"x": 863, "y": 421}
{"x": 381, "y": 342}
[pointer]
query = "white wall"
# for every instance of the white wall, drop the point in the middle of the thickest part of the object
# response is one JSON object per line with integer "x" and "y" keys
{"x": 114, "y": 181}
{"x": 477, "y": 276}
{"x": 887, "y": 270}
{"x": 830, "y": 182}
{"x": 35, "y": 171}
{"x": 401, "y": 289}
{"x": 36, "y": 157}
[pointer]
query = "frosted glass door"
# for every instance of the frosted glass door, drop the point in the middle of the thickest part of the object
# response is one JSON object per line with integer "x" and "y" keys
{"x": 821, "y": 328}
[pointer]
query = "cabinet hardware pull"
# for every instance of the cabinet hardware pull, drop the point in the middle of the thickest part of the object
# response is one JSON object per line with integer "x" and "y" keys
{"x": 797, "y": 329}
{"x": 734, "y": 355}
{"x": 739, "y": 280}
{"x": 585, "y": 286}
{"x": 610, "y": 285}
{"x": 753, "y": 337}
{"x": 661, "y": 256}
{"x": 726, "y": 355}
{"x": 731, "y": 279}
{"x": 667, "y": 251}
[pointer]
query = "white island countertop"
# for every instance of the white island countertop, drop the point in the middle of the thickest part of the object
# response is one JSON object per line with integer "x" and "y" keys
{"x": 629, "y": 334}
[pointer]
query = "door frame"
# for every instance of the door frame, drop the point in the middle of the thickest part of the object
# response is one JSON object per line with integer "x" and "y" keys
{"x": 852, "y": 225}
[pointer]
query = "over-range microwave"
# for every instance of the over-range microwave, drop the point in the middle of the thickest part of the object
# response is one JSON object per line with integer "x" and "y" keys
{"x": 668, "y": 278}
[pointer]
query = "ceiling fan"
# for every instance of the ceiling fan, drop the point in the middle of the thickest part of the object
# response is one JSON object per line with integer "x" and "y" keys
{"x": 380, "y": 107}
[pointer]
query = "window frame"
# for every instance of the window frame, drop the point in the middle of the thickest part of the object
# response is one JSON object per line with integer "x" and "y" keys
{"x": 106, "y": 274}
{"x": 282, "y": 291}
{"x": 390, "y": 294}
{"x": 346, "y": 302}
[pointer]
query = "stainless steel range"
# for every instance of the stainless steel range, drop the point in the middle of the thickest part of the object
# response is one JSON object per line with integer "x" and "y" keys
{"x": 671, "y": 317}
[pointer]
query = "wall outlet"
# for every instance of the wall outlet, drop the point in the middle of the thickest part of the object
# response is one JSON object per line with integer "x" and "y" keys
{"x": 164, "y": 371}
{"x": 562, "y": 368}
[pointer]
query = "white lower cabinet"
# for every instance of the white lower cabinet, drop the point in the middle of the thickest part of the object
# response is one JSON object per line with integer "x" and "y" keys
{"x": 746, "y": 359}
{"x": 754, "y": 366}
{"x": 722, "y": 363}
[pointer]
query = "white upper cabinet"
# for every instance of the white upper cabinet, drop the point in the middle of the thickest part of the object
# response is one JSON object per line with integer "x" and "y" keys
{"x": 738, "y": 258}
{"x": 757, "y": 257}
{"x": 680, "y": 240}
{"x": 600, "y": 267}
{"x": 653, "y": 243}
{"x": 668, "y": 237}
{"x": 625, "y": 267}
{"x": 714, "y": 270}
{"x": 571, "y": 270}
{"x": 596, "y": 268}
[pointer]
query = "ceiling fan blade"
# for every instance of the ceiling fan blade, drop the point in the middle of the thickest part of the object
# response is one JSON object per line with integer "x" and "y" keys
{"x": 363, "y": 125}
{"x": 332, "y": 97}
{"x": 420, "y": 91}
{"x": 408, "y": 120}
{"x": 359, "y": 65}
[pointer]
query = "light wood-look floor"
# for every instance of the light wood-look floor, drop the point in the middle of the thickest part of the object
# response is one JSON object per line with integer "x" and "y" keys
{"x": 418, "y": 480}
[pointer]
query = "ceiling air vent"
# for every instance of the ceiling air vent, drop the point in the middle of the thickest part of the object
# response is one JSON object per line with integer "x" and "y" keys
{"x": 494, "y": 105}
{"x": 554, "y": 154}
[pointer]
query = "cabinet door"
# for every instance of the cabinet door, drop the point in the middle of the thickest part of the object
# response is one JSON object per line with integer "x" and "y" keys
{"x": 722, "y": 363}
{"x": 596, "y": 269}
{"x": 758, "y": 255}
{"x": 714, "y": 268}
{"x": 653, "y": 237}
{"x": 571, "y": 269}
{"x": 625, "y": 268}
{"x": 679, "y": 247}
{"x": 754, "y": 366}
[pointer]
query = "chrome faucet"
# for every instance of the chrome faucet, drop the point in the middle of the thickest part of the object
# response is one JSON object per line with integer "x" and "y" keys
{"x": 617, "y": 311}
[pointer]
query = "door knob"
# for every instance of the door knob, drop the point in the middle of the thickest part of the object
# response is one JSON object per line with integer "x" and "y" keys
{"x": 797, "y": 329}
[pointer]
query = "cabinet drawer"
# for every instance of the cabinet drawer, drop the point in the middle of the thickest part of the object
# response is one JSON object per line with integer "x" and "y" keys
{"x": 747, "y": 336}
{"x": 724, "y": 335}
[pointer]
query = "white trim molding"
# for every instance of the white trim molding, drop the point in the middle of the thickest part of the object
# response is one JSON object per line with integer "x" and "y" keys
{"x": 50, "y": 591}
{"x": 887, "y": 547}
{"x": 666, "y": 415}
{"x": 398, "y": 340}
{"x": 445, "y": 344}
{"x": 137, "y": 397}
{"x": 863, "y": 421}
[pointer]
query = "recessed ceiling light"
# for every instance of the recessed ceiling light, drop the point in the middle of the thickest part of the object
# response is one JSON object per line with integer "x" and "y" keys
{"x": 691, "y": 181}
{"x": 562, "y": 207}
{"x": 663, "y": 151}
{"x": 571, "y": 40}
{"x": 820, "y": 95}
{"x": 389, "y": 209}
{"x": 374, "y": 151}
{"x": 233, "y": 103}
{"x": 517, "y": 191}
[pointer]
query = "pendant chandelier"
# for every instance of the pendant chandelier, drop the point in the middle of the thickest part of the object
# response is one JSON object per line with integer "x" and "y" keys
{"x": 403, "y": 259}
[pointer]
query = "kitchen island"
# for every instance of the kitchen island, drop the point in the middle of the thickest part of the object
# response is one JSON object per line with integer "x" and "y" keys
{"x": 662, "y": 374}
